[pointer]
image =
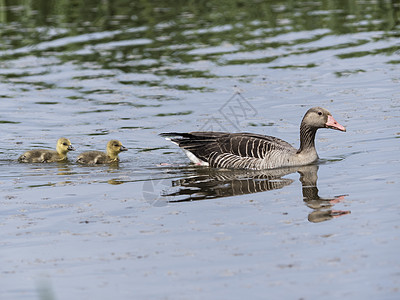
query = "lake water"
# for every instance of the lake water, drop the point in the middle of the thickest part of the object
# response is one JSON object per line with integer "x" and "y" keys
{"x": 156, "y": 227}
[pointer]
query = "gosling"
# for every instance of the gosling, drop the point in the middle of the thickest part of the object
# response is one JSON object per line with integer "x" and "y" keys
{"x": 46, "y": 156}
{"x": 114, "y": 147}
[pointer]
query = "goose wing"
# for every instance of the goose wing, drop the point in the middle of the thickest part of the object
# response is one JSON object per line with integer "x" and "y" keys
{"x": 231, "y": 150}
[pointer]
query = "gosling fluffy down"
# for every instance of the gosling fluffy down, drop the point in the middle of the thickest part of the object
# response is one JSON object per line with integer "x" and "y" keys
{"x": 45, "y": 156}
{"x": 114, "y": 147}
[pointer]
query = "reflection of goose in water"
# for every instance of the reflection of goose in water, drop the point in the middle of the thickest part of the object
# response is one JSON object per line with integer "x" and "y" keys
{"x": 216, "y": 184}
{"x": 321, "y": 206}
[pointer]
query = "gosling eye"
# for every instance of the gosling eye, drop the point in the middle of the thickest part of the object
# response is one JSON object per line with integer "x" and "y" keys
{"x": 65, "y": 144}
{"x": 320, "y": 113}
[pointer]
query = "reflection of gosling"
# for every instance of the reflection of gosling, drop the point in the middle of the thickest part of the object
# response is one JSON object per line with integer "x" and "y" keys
{"x": 43, "y": 155}
{"x": 114, "y": 147}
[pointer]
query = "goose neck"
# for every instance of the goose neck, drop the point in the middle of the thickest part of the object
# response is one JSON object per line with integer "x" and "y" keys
{"x": 307, "y": 138}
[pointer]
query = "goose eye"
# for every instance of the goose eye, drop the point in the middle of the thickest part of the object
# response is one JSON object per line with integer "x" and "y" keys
{"x": 320, "y": 113}
{"x": 65, "y": 144}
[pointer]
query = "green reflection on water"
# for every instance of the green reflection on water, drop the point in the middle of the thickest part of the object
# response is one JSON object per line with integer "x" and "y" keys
{"x": 91, "y": 15}
{"x": 186, "y": 22}
{"x": 183, "y": 113}
{"x": 8, "y": 122}
{"x": 158, "y": 36}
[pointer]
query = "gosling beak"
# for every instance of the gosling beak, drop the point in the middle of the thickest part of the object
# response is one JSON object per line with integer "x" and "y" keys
{"x": 71, "y": 148}
{"x": 123, "y": 148}
{"x": 331, "y": 123}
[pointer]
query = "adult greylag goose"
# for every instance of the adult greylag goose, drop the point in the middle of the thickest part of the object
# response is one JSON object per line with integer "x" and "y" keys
{"x": 44, "y": 155}
{"x": 255, "y": 151}
{"x": 114, "y": 147}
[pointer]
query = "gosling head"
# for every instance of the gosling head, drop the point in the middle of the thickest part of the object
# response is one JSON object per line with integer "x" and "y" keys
{"x": 318, "y": 117}
{"x": 63, "y": 146}
{"x": 114, "y": 147}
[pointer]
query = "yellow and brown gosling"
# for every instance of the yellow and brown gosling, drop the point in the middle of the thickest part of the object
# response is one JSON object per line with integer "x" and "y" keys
{"x": 45, "y": 156}
{"x": 114, "y": 147}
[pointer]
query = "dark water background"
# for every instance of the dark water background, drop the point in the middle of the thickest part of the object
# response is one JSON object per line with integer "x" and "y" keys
{"x": 156, "y": 227}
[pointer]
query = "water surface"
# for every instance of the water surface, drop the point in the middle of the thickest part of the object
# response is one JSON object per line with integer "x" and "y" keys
{"x": 156, "y": 227}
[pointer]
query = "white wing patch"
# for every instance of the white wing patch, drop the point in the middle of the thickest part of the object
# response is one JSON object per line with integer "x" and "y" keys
{"x": 194, "y": 159}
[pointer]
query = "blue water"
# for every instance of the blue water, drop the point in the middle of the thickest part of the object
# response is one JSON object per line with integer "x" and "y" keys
{"x": 156, "y": 227}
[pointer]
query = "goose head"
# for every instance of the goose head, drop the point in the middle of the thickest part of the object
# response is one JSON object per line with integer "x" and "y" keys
{"x": 63, "y": 146}
{"x": 114, "y": 147}
{"x": 318, "y": 117}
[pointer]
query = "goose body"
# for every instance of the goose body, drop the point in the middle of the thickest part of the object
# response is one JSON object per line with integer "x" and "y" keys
{"x": 114, "y": 147}
{"x": 45, "y": 155}
{"x": 255, "y": 151}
